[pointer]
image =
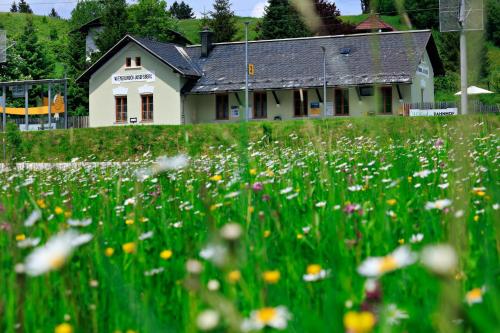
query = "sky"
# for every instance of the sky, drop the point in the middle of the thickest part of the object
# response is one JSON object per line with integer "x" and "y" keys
{"x": 241, "y": 7}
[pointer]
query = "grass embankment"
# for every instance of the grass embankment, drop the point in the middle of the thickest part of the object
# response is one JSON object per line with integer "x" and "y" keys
{"x": 124, "y": 143}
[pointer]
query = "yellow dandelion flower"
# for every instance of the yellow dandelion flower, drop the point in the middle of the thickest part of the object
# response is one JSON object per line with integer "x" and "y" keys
{"x": 300, "y": 236}
{"x": 41, "y": 203}
{"x": 20, "y": 237}
{"x": 67, "y": 214}
{"x": 476, "y": 218}
{"x": 234, "y": 276}
{"x": 362, "y": 322}
{"x": 251, "y": 209}
{"x": 267, "y": 233}
{"x": 270, "y": 173}
{"x": 253, "y": 172}
{"x": 144, "y": 219}
{"x": 58, "y": 210}
{"x": 216, "y": 178}
{"x": 129, "y": 221}
{"x": 166, "y": 254}
{"x": 129, "y": 247}
{"x": 64, "y": 328}
{"x": 410, "y": 179}
{"x": 109, "y": 251}
{"x": 401, "y": 241}
{"x": 391, "y": 202}
{"x": 271, "y": 277}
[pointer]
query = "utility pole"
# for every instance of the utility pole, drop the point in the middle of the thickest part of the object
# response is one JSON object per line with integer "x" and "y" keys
{"x": 463, "y": 58}
{"x": 247, "y": 116}
{"x": 324, "y": 81}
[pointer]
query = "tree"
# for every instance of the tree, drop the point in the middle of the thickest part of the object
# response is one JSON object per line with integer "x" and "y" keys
{"x": 116, "y": 23}
{"x": 423, "y": 19}
{"x": 24, "y": 7}
{"x": 222, "y": 21}
{"x": 493, "y": 21}
{"x": 13, "y": 8}
{"x": 150, "y": 18}
{"x": 281, "y": 20}
{"x": 365, "y": 6}
{"x": 53, "y": 13}
{"x": 330, "y": 17}
{"x": 181, "y": 11}
{"x": 85, "y": 11}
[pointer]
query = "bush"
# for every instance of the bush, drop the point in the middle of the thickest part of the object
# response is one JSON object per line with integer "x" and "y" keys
{"x": 13, "y": 142}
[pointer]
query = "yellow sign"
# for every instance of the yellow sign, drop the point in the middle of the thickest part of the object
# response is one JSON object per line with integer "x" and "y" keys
{"x": 251, "y": 69}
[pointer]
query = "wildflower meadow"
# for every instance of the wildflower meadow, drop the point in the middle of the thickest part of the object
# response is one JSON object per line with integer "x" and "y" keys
{"x": 349, "y": 229}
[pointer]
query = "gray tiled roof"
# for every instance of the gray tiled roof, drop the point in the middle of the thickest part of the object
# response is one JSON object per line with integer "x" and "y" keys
{"x": 374, "y": 58}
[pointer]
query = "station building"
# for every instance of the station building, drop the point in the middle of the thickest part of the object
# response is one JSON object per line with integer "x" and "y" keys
{"x": 141, "y": 81}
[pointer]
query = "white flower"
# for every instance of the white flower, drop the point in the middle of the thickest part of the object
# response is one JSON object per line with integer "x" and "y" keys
{"x": 213, "y": 285}
{"x": 444, "y": 186}
{"x": 28, "y": 242}
{"x": 377, "y": 266}
{"x": 215, "y": 253}
{"x": 79, "y": 223}
{"x": 154, "y": 271}
{"x": 355, "y": 188}
{"x": 54, "y": 253}
{"x": 439, "y": 204}
{"x": 286, "y": 190}
{"x": 165, "y": 163}
{"x": 440, "y": 259}
{"x": 315, "y": 273}
{"x": 33, "y": 218}
{"x": 321, "y": 204}
{"x": 393, "y": 315}
{"x": 146, "y": 235}
{"x": 129, "y": 201}
{"x": 277, "y": 318}
{"x": 208, "y": 320}
{"x": 231, "y": 231}
{"x": 422, "y": 174}
{"x": 475, "y": 296}
{"x": 416, "y": 238}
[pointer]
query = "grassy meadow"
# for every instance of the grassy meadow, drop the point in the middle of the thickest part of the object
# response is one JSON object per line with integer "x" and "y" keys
{"x": 351, "y": 225}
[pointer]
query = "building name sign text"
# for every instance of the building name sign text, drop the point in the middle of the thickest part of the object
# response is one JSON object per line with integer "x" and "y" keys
{"x": 433, "y": 112}
{"x": 124, "y": 78}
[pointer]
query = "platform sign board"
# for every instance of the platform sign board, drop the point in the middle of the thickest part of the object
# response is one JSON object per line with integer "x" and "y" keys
{"x": 315, "y": 110}
{"x": 18, "y": 91}
{"x": 433, "y": 112}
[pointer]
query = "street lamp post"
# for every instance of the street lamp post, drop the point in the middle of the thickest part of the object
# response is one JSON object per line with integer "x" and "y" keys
{"x": 246, "y": 71}
{"x": 324, "y": 81}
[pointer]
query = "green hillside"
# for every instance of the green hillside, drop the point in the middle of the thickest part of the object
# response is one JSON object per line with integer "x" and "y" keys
{"x": 191, "y": 28}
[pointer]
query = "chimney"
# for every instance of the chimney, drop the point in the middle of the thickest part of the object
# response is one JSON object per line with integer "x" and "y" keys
{"x": 206, "y": 42}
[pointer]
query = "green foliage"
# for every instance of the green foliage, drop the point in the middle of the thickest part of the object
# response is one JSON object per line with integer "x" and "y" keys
{"x": 423, "y": 19}
{"x": 331, "y": 23}
{"x": 281, "y": 20}
{"x": 222, "y": 21}
{"x": 13, "y": 142}
{"x": 493, "y": 21}
{"x": 85, "y": 11}
{"x": 24, "y": 7}
{"x": 116, "y": 24}
{"x": 387, "y": 7}
{"x": 150, "y": 18}
{"x": 181, "y": 11}
{"x": 14, "y": 8}
{"x": 53, "y": 13}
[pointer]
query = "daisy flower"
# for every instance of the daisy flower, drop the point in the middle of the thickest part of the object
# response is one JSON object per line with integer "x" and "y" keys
{"x": 439, "y": 204}
{"x": 377, "y": 266}
{"x": 277, "y": 318}
{"x": 393, "y": 315}
{"x": 474, "y": 296}
{"x": 315, "y": 273}
{"x": 54, "y": 253}
{"x": 416, "y": 238}
{"x": 441, "y": 259}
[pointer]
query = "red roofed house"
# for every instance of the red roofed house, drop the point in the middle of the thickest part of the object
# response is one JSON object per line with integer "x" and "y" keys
{"x": 373, "y": 24}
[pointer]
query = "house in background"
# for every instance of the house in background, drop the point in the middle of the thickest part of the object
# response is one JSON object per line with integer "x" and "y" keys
{"x": 92, "y": 29}
{"x": 148, "y": 82}
{"x": 373, "y": 23}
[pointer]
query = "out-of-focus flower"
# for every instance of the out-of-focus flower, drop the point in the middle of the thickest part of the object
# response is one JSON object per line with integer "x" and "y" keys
{"x": 28, "y": 242}
{"x": 234, "y": 276}
{"x": 277, "y": 318}
{"x": 422, "y": 174}
{"x": 130, "y": 247}
{"x": 231, "y": 231}
{"x": 351, "y": 208}
{"x": 377, "y": 266}
{"x": 63, "y": 328}
{"x": 216, "y": 253}
{"x": 315, "y": 272}
{"x": 165, "y": 163}
{"x": 33, "y": 218}
{"x": 391, "y": 202}
{"x": 439, "y": 143}
{"x": 146, "y": 235}
{"x": 320, "y": 204}
{"x": 41, "y": 203}
{"x": 393, "y": 315}
{"x": 441, "y": 259}
{"x": 213, "y": 285}
{"x": 58, "y": 210}
{"x": 271, "y": 277}
{"x": 439, "y": 204}
{"x": 20, "y": 237}
{"x": 416, "y": 238}
{"x": 207, "y": 320}
{"x": 166, "y": 254}
{"x": 109, "y": 251}
{"x": 79, "y": 223}
{"x": 474, "y": 296}
{"x": 129, "y": 201}
{"x": 54, "y": 253}
{"x": 193, "y": 266}
{"x": 216, "y": 178}
{"x": 257, "y": 186}
{"x": 359, "y": 322}
{"x": 355, "y": 188}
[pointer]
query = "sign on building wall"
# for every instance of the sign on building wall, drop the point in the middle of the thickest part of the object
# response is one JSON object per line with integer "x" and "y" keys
{"x": 432, "y": 113}
{"x": 329, "y": 108}
{"x": 124, "y": 78}
{"x": 315, "y": 109}
{"x": 235, "y": 111}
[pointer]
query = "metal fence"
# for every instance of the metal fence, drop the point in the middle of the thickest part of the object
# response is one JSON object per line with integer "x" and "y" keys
{"x": 474, "y": 107}
{"x": 73, "y": 122}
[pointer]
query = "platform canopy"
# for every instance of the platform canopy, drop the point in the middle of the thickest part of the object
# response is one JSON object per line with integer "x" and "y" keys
{"x": 473, "y": 90}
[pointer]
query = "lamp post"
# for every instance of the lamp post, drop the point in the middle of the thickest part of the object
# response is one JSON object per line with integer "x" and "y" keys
{"x": 463, "y": 58}
{"x": 324, "y": 81}
{"x": 247, "y": 116}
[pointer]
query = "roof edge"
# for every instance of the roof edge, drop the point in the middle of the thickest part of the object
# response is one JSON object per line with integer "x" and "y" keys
{"x": 318, "y": 37}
